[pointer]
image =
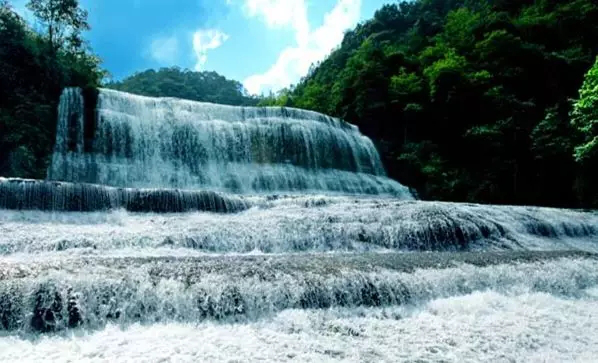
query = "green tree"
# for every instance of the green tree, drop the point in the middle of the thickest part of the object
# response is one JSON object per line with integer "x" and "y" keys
{"x": 281, "y": 98}
{"x": 585, "y": 118}
{"x": 64, "y": 21}
{"x": 183, "y": 83}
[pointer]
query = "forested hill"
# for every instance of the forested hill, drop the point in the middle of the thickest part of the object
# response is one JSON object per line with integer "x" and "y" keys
{"x": 182, "y": 83}
{"x": 471, "y": 100}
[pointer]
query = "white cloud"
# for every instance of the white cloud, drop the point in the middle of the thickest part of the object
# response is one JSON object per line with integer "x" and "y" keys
{"x": 165, "y": 50}
{"x": 282, "y": 13}
{"x": 312, "y": 46}
{"x": 205, "y": 40}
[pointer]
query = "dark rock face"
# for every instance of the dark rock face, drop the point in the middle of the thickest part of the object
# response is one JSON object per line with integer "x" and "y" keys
{"x": 47, "y": 310}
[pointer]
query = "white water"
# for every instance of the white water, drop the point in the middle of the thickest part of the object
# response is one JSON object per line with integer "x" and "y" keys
{"x": 129, "y": 290}
{"x": 482, "y": 326}
{"x": 312, "y": 223}
{"x": 340, "y": 265}
{"x": 163, "y": 142}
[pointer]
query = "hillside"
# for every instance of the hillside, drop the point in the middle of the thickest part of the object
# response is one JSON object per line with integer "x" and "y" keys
{"x": 182, "y": 83}
{"x": 467, "y": 100}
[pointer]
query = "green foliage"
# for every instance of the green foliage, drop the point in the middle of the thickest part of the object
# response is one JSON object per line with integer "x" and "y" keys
{"x": 63, "y": 19}
{"x": 34, "y": 68}
{"x": 468, "y": 99}
{"x": 585, "y": 118}
{"x": 405, "y": 84}
{"x": 446, "y": 73}
{"x": 460, "y": 28}
{"x": 183, "y": 83}
{"x": 281, "y": 98}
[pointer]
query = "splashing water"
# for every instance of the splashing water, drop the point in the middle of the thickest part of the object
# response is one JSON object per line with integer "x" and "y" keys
{"x": 163, "y": 142}
{"x": 272, "y": 234}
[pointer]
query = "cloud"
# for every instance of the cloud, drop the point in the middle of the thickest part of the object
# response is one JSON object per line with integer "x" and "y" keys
{"x": 312, "y": 46}
{"x": 282, "y": 13}
{"x": 205, "y": 40}
{"x": 165, "y": 50}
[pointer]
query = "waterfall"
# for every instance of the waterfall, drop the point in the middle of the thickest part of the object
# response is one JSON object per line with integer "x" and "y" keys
{"x": 145, "y": 142}
{"x": 168, "y": 221}
{"x": 240, "y": 288}
{"x": 79, "y": 197}
{"x": 305, "y": 224}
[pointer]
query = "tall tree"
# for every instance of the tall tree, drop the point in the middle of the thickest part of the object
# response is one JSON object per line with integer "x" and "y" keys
{"x": 64, "y": 21}
{"x": 585, "y": 118}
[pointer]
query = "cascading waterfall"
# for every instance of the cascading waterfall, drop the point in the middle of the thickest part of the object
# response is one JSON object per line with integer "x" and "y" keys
{"x": 204, "y": 221}
{"x": 78, "y": 197}
{"x": 145, "y": 142}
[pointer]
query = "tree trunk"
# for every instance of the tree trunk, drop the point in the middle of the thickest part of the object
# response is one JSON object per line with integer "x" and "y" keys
{"x": 53, "y": 44}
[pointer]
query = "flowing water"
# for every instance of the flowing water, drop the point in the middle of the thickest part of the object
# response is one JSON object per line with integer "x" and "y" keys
{"x": 171, "y": 230}
{"x": 146, "y": 142}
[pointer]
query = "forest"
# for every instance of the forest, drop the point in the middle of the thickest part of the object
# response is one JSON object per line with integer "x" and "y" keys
{"x": 472, "y": 100}
{"x": 190, "y": 85}
{"x": 467, "y": 100}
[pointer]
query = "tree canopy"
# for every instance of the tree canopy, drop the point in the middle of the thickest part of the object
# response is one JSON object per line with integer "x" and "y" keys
{"x": 585, "y": 117}
{"x": 183, "y": 83}
{"x": 63, "y": 19}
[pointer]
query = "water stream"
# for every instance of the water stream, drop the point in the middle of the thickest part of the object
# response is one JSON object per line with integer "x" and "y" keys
{"x": 186, "y": 231}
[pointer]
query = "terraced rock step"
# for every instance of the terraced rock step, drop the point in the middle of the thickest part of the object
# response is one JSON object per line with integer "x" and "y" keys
{"x": 242, "y": 266}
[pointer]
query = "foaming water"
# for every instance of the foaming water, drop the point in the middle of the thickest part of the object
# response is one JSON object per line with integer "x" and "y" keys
{"x": 477, "y": 327}
{"x": 309, "y": 223}
{"x": 144, "y": 142}
{"x": 56, "y": 294}
{"x": 186, "y": 231}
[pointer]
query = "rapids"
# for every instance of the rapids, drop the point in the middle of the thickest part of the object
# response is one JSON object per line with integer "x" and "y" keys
{"x": 171, "y": 230}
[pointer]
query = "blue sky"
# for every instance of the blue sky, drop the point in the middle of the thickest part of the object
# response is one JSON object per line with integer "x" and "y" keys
{"x": 266, "y": 44}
